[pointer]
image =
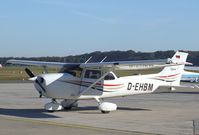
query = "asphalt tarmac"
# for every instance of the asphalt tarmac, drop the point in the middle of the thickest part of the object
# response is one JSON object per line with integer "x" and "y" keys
{"x": 22, "y": 112}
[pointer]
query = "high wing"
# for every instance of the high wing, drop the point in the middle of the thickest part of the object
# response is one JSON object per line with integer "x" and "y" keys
{"x": 128, "y": 65}
{"x": 119, "y": 65}
{"x": 141, "y": 64}
{"x": 39, "y": 63}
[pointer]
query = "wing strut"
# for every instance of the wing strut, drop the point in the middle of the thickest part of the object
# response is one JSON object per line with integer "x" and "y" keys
{"x": 88, "y": 60}
{"x": 103, "y": 59}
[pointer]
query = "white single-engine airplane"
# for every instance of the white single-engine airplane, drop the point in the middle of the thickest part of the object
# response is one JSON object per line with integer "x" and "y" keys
{"x": 98, "y": 81}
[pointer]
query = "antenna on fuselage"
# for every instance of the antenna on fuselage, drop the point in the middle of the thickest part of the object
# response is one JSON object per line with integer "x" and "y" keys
{"x": 103, "y": 59}
{"x": 88, "y": 60}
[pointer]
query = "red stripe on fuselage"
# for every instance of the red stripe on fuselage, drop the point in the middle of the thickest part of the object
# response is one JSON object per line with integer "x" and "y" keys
{"x": 111, "y": 84}
{"x": 99, "y": 84}
{"x": 168, "y": 76}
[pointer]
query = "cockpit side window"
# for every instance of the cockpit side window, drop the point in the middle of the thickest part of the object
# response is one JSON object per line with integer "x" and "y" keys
{"x": 110, "y": 76}
{"x": 92, "y": 74}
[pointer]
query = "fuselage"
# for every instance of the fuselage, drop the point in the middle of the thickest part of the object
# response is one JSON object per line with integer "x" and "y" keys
{"x": 91, "y": 83}
{"x": 67, "y": 86}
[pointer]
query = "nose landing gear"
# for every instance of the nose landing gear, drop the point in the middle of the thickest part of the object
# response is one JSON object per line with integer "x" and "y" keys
{"x": 53, "y": 106}
{"x": 66, "y": 104}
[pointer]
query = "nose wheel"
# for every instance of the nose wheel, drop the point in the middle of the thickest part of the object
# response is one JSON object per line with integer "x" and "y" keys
{"x": 53, "y": 106}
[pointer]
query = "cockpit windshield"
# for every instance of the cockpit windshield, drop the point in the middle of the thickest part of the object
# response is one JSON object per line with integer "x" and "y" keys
{"x": 72, "y": 69}
{"x": 110, "y": 76}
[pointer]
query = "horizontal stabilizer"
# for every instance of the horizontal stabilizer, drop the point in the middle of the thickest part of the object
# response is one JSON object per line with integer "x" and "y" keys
{"x": 180, "y": 89}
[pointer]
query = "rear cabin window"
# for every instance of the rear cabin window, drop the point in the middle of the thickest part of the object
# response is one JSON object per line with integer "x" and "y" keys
{"x": 92, "y": 74}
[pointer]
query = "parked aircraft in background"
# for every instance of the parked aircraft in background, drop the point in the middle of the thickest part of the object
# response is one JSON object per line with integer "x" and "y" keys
{"x": 188, "y": 76}
{"x": 97, "y": 81}
{"x": 192, "y": 68}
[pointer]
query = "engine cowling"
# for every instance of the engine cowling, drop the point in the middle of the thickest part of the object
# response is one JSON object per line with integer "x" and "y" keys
{"x": 107, "y": 107}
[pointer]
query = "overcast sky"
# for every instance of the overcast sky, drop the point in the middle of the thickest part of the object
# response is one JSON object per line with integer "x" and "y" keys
{"x": 70, "y": 27}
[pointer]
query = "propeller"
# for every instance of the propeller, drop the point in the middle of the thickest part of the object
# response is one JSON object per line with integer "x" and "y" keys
{"x": 39, "y": 80}
{"x": 29, "y": 72}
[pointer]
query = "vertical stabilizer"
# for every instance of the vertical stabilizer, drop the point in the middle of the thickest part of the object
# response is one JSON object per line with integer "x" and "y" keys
{"x": 179, "y": 57}
{"x": 173, "y": 73}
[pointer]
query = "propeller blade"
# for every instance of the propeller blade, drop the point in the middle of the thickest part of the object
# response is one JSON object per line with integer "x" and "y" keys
{"x": 40, "y": 94}
{"x": 29, "y": 72}
{"x": 39, "y": 81}
{"x": 36, "y": 81}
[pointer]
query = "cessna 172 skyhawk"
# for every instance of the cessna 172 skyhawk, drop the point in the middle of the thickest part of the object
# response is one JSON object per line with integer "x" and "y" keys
{"x": 98, "y": 81}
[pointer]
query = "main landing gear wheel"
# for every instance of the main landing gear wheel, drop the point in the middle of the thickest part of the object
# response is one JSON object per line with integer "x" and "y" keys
{"x": 68, "y": 104}
{"x": 106, "y": 107}
{"x": 105, "y": 112}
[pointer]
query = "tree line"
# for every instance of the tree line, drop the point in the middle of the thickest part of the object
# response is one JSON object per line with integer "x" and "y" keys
{"x": 111, "y": 56}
